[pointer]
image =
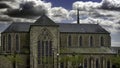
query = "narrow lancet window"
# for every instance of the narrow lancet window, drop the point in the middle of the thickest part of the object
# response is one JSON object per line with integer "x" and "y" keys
{"x": 17, "y": 43}
{"x": 60, "y": 42}
{"x": 69, "y": 40}
{"x": 90, "y": 62}
{"x": 97, "y": 63}
{"x": 102, "y": 62}
{"x": 3, "y": 43}
{"x": 108, "y": 64}
{"x": 91, "y": 41}
{"x": 9, "y": 42}
{"x": 80, "y": 41}
{"x": 85, "y": 63}
{"x": 101, "y": 41}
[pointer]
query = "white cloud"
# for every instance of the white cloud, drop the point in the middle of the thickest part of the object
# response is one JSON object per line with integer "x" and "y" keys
{"x": 92, "y": 12}
{"x": 114, "y": 43}
{"x": 85, "y": 5}
{"x": 58, "y": 14}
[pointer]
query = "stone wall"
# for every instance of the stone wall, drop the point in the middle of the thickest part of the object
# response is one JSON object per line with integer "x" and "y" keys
{"x": 23, "y": 41}
{"x": 85, "y": 39}
{"x": 36, "y": 35}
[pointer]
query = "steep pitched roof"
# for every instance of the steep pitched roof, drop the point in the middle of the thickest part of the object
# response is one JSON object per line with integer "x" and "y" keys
{"x": 81, "y": 28}
{"x": 63, "y": 27}
{"x": 18, "y": 27}
{"x": 45, "y": 21}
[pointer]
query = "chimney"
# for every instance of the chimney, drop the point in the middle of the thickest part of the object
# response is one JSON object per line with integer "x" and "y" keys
{"x": 78, "y": 22}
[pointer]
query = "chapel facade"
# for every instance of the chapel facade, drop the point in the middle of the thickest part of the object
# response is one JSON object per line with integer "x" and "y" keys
{"x": 46, "y": 44}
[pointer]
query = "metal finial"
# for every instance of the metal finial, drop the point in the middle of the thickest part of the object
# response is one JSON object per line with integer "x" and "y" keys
{"x": 78, "y": 22}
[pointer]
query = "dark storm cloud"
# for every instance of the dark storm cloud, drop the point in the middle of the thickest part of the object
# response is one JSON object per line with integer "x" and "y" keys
{"x": 3, "y": 5}
{"x": 111, "y": 5}
{"x": 6, "y": 0}
{"x": 5, "y": 19}
{"x": 96, "y": 14}
{"x": 27, "y": 9}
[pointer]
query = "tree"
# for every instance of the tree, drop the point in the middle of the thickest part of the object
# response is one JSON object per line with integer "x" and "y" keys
{"x": 115, "y": 61}
{"x": 65, "y": 59}
{"x": 12, "y": 58}
{"x": 75, "y": 59}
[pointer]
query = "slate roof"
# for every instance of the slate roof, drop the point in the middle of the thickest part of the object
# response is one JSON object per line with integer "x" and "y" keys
{"x": 18, "y": 27}
{"x": 82, "y": 28}
{"x": 63, "y": 27}
{"x": 44, "y": 21}
{"x": 72, "y": 28}
{"x": 94, "y": 50}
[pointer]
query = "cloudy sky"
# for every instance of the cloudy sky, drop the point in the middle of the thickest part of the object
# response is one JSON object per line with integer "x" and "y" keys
{"x": 104, "y": 12}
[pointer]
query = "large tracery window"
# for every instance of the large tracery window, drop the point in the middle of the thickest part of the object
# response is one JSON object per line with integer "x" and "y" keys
{"x": 44, "y": 51}
{"x": 17, "y": 43}
{"x": 44, "y": 48}
{"x": 9, "y": 42}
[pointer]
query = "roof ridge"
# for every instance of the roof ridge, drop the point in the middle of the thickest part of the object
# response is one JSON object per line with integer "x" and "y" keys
{"x": 44, "y": 20}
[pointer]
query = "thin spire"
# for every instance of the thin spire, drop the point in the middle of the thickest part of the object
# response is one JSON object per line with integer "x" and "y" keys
{"x": 78, "y": 22}
{"x": 43, "y": 0}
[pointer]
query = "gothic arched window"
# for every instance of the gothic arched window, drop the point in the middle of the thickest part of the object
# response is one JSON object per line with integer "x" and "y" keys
{"x": 17, "y": 43}
{"x": 80, "y": 41}
{"x": 91, "y": 41}
{"x": 90, "y": 62}
{"x": 9, "y": 42}
{"x": 3, "y": 43}
{"x": 60, "y": 42}
{"x": 85, "y": 63}
{"x": 108, "y": 64}
{"x": 102, "y": 62}
{"x": 101, "y": 41}
{"x": 69, "y": 40}
{"x": 97, "y": 63}
{"x": 61, "y": 65}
